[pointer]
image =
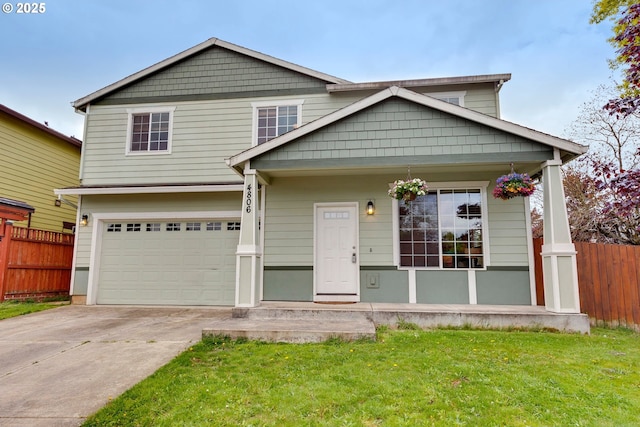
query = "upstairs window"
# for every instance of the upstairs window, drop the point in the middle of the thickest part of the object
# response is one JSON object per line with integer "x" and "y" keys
{"x": 456, "y": 98}
{"x": 272, "y": 119}
{"x": 150, "y": 131}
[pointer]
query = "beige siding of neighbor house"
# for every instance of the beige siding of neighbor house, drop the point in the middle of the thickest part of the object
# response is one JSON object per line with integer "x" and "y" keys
{"x": 32, "y": 164}
{"x": 290, "y": 218}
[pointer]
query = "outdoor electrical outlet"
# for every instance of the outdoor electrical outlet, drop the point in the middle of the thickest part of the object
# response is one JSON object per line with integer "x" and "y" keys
{"x": 373, "y": 280}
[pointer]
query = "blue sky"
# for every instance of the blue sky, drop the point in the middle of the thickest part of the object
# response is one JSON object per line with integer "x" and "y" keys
{"x": 79, "y": 46}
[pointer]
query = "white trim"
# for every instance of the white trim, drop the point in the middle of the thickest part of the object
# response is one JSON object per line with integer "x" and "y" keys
{"x": 82, "y": 152}
{"x": 150, "y": 110}
{"x": 473, "y": 291}
{"x": 532, "y": 269}
{"x": 118, "y": 216}
{"x": 468, "y": 185}
{"x": 262, "y": 193}
{"x": 76, "y": 236}
{"x": 205, "y": 188}
{"x": 98, "y": 220}
{"x": 316, "y": 206}
{"x": 274, "y": 103}
{"x": 413, "y": 286}
{"x": 441, "y": 95}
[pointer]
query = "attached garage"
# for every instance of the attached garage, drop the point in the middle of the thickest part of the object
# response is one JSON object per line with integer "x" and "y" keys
{"x": 171, "y": 262}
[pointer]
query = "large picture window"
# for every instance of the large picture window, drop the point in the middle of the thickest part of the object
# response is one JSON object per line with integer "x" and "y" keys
{"x": 442, "y": 229}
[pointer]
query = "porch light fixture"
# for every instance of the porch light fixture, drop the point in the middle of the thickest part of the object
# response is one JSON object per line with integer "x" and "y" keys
{"x": 85, "y": 220}
{"x": 371, "y": 209}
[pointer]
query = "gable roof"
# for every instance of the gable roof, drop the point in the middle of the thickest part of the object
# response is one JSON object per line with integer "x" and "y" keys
{"x": 81, "y": 103}
{"x": 21, "y": 117}
{"x": 570, "y": 148}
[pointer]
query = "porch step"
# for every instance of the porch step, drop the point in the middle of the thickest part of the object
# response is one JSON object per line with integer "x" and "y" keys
{"x": 292, "y": 330}
{"x": 307, "y": 311}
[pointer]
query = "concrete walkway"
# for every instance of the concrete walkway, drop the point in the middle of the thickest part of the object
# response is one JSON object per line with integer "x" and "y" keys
{"x": 59, "y": 366}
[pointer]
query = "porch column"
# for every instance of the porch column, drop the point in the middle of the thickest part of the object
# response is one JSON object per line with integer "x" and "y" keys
{"x": 558, "y": 252}
{"x": 249, "y": 250}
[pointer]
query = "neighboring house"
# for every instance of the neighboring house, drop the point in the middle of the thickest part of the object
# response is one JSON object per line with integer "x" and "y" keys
{"x": 223, "y": 176}
{"x": 34, "y": 160}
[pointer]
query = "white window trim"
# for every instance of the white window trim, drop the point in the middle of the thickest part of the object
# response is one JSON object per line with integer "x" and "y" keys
{"x": 276, "y": 103}
{"x": 140, "y": 110}
{"x": 467, "y": 185}
{"x": 458, "y": 94}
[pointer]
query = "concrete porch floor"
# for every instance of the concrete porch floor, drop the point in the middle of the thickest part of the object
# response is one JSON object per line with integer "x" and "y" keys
{"x": 301, "y": 322}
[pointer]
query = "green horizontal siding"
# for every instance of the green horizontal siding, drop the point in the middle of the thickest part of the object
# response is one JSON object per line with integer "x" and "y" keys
{"x": 442, "y": 287}
{"x": 204, "y": 135}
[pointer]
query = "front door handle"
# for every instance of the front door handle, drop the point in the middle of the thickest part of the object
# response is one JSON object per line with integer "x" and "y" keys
{"x": 353, "y": 258}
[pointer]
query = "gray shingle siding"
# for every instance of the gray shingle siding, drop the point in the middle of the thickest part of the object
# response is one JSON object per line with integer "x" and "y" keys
{"x": 216, "y": 72}
{"x": 400, "y": 128}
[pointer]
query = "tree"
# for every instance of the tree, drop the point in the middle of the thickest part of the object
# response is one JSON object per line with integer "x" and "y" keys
{"x": 626, "y": 41}
{"x": 608, "y": 136}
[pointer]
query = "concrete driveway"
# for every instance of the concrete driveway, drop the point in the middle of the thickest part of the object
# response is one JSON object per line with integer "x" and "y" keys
{"x": 59, "y": 366}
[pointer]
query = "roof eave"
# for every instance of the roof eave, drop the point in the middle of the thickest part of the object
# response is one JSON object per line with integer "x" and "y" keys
{"x": 70, "y": 139}
{"x": 438, "y": 81}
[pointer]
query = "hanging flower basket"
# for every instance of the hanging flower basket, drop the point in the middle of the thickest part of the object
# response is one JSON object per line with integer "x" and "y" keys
{"x": 408, "y": 190}
{"x": 513, "y": 185}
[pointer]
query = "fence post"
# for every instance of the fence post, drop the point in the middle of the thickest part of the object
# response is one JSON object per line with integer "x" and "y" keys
{"x": 6, "y": 230}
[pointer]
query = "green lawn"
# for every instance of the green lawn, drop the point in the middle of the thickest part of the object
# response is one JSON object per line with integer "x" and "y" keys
{"x": 14, "y": 308}
{"x": 406, "y": 378}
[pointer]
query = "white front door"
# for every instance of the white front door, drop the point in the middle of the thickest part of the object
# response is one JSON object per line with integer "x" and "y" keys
{"x": 337, "y": 264}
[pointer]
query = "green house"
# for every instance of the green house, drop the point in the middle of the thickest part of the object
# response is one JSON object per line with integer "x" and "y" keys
{"x": 224, "y": 176}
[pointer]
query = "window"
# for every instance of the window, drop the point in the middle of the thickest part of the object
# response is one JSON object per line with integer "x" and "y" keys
{"x": 193, "y": 226}
{"x": 133, "y": 227}
{"x": 214, "y": 226}
{"x": 155, "y": 226}
{"x": 150, "y": 131}
{"x": 443, "y": 229}
{"x": 233, "y": 226}
{"x": 272, "y": 119}
{"x": 456, "y": 98}
{"x": 173, "y": 226}
{"x": 114, "y": 228}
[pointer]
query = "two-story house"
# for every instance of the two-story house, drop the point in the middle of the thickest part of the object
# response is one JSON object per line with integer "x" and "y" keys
{"x": 224, "y": 176}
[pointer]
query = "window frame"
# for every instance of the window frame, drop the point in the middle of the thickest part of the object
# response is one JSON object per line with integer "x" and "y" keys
{"x": 433, "y": 186}
{"x": 457, "y": 94}
{"x": 271, "y": 104}
{"x": 148, "y": 110}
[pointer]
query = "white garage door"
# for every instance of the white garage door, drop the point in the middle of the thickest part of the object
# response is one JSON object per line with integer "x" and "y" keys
{"x": 168, "y": 262}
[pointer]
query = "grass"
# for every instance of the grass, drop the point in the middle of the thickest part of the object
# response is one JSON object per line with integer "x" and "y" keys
{"x": 407, "y": 378}
{"x": 15, "y": 308}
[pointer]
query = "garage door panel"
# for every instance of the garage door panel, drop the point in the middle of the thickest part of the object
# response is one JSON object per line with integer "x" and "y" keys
{"x": 186, "y": 267}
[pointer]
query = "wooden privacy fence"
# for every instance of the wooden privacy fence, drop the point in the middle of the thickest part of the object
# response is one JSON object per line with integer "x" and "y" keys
{"x": 34, "y": 263}
{"x": 609, "y": 282}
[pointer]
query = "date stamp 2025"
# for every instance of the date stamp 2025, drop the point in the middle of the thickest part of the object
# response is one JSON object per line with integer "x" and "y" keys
{"x": 24, "y": 8}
